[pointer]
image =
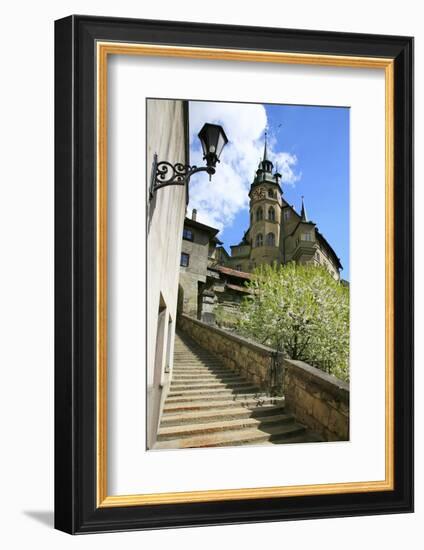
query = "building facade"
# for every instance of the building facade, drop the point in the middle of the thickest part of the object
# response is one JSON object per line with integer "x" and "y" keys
{"x": 212, "y": 282}
{"x": 198, "y": 251}
{"x": 205, "y": 283}
{"x": 167, "y": 136}
{"x": 277, "y": 233}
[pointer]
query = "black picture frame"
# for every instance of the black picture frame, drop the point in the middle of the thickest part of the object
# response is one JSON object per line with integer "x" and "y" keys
{"x": 76, "y": 510}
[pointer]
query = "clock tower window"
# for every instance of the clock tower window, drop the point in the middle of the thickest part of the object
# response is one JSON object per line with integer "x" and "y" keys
{"x": 270, "y": 239}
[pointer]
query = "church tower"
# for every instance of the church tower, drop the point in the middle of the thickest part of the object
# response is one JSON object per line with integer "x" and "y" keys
{"x": 277, "y": 232}
{"x": 264, "y": 232}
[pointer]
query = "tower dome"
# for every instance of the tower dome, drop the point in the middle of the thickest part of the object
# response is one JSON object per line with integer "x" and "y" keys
{"x": 264, "y": 172}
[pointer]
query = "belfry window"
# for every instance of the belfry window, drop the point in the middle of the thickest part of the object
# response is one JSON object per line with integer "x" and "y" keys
{"x": 270, "y": 239}
{"x": 306, "y": 236}
{"x": 271, "y": 214}
{"x": 259, "y": 239}
{"x": 259, "y": 214}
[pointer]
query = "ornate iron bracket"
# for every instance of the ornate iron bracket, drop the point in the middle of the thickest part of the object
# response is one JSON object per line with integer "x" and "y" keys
{"x": 164, "y": 173}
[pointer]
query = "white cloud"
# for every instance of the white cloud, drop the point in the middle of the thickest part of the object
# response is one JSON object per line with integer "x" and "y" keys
{"x": 286, "y": 163}
{"x": 219, "y": 201}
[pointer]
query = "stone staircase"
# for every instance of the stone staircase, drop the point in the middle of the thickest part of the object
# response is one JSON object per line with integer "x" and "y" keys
{"x": 208, "y": 405}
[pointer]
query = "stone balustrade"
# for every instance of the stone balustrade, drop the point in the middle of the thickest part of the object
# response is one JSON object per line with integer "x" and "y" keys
{"x": 239, "y": 354}
{"x": 318, "y": 400}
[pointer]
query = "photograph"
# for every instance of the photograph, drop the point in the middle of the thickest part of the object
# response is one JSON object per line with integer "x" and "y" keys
{"x": 233, "y": 272}
{"x": 247, "y": 316}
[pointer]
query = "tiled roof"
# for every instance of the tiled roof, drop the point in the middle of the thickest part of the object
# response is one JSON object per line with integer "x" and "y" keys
{"x": 207, "y": 228}
{"x": 233, "y": 272}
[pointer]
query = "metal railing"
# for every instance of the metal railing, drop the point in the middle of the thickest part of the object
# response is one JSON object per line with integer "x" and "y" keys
{"x": 276, "y": 373}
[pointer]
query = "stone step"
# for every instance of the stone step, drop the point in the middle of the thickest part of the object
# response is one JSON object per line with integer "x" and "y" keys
{"x": 192, "y": 345}
{"x": 235, "y": 437}
{"x": 188, "y": 368}
{"x": 189, "y": 430}
{"x": 203, "y": 358}
{"x": 193, "y": 353}
{"x": 213, "y": 385}
{"x": 204, "y": 372}
{"x": 187, "y": 364}
{"x": 241, "y": 389}
{"x": 216, "y": 414}
{"x": 210, "y": 405}
{"x": 211, "y": 396}
{"x": 201, "y": 405}
{"x": 195, "y": 364}
{"x": 191, "y": 350}
{"x": 212, "y": 380}
{"x": 202, "y": 377}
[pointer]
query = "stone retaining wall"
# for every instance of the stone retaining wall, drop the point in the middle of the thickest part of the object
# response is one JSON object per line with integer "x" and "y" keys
{"x": 318, "y": 400}
{"x": 239, "y": 354}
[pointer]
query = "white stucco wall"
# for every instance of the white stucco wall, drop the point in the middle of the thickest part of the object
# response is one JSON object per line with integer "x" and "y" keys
{"x": 166, "y": 136}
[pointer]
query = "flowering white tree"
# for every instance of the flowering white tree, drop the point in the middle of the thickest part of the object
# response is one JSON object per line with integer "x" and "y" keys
{"x": 303, "y": 311}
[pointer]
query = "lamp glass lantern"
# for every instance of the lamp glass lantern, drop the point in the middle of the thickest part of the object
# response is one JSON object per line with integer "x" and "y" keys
{"x": 213, "y": 140}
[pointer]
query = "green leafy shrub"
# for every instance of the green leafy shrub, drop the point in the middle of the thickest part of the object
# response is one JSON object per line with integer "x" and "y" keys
{"x": 301, "y": 310}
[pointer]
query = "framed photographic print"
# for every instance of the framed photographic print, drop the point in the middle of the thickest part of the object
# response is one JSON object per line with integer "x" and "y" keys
{"x": 234, "y": 274}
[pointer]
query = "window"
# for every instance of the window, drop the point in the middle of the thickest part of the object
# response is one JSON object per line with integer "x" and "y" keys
{"x": 271, "y": 194}
{"x": 286, "y": 215}
{"x": 306, "y": 236}
{"x": 259, "y": 239}
{"x": 184, "y": 259}
{"x": 270, "y": 239}
{"x": 238, "y": 267}
{"x": 259, "y": 214}
{"x": 187, "y": 234}
{"x": 271, "y": 214}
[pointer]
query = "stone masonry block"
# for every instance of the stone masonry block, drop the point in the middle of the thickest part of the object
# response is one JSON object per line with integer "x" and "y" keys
{"x": 321, "y": 412}
{"x": 338, "y": 424}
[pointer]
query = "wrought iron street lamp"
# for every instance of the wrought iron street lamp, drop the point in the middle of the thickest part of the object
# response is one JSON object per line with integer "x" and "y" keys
{"x": 213, "y": 140}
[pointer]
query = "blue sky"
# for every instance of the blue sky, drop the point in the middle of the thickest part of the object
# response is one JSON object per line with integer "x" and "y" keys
{"x": 309, "y": 144}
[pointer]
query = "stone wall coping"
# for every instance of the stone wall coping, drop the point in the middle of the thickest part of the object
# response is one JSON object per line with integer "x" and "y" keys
{"x": 327, "y": 381}
{"x": 260, "y": 348}
{"x": 330, "y": 383}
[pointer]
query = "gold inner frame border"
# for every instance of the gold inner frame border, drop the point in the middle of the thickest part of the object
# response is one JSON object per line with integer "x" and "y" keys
{"x": 103, "y": 50}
